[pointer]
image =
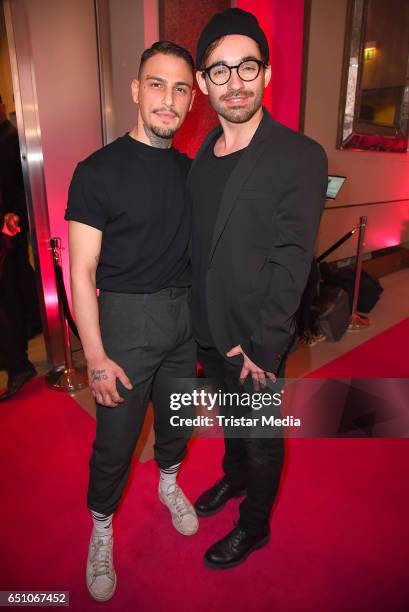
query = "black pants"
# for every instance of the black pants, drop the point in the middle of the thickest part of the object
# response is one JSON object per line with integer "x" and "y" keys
{"x": 305, "y": 317}
{"x": 13, "y": 332}
{"x": 252, "y": 463}
{"x": 149, "y": 336}
{"x": 27, "y": 287}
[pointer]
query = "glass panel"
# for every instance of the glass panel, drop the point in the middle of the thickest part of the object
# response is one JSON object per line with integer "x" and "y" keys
{"x": 385, "y": 49}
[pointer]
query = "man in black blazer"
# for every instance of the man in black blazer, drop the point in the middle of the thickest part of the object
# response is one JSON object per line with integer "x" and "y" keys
{"x": 257, "y": 190}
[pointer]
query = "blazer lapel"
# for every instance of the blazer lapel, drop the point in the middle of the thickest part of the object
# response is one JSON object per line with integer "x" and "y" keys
{"x": 239, "y": 175}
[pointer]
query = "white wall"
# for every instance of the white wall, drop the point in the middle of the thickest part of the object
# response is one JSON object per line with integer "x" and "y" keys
{"x": 133, "y": 26}
{"x": 64, "y": 48}
{"x": 127, "y": 44}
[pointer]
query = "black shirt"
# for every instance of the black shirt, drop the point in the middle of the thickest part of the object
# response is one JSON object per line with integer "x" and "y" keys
{"x": 207, "y": 183}
{"x": 135, "y": 194}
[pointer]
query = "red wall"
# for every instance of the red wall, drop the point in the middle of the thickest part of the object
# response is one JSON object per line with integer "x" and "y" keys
{"x": 182, "y": 21}
{"x": 283, "y": 22}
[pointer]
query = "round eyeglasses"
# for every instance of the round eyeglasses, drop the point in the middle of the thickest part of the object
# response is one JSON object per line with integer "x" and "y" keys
{"x": 220, "y": 73}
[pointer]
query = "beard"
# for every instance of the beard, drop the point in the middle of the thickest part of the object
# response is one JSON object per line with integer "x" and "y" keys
{"x": 163, "y": 132}
{"x": 160, "y": 132}
{"x": 237, "y": 114}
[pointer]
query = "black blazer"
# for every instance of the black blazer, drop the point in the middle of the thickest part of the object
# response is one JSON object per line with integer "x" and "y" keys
{"x": 263, "y": 242}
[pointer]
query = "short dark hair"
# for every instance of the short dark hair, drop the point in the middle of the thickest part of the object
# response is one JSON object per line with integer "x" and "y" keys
{"x": 167, "y": 48}
{"x": 216, "y": 43}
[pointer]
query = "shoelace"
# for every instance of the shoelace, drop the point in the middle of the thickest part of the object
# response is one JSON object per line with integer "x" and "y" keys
{"x": 179, "y": 502}
{"x": 237, "y": 536}
{"x": 102, "y": 560}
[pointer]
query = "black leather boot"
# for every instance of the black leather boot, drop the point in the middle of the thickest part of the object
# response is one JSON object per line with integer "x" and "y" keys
{"x": 215, "y": 498}
{"x": 234, "y": 548}
{"x": 17, "y": 381}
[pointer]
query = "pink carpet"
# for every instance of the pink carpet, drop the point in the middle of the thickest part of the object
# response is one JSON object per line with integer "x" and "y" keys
{"x": 340, "y": 531}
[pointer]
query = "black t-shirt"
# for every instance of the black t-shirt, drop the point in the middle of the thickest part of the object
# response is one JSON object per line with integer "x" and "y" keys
{"x": 207, "y": 183}
{"x": 136, "y": 195}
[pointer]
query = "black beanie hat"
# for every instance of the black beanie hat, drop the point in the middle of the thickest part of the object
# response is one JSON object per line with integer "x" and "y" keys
{"x": 232, "y": 21}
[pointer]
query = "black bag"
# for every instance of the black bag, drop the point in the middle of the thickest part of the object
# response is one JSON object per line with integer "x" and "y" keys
{"x": 370, "y": 288}
{"x": 332, "y": 312}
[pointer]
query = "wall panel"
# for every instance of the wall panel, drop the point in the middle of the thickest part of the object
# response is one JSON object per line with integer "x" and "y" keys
{"x": 63, "y": 39}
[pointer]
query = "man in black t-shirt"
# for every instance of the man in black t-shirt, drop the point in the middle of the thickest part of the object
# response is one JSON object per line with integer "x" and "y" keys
{"x": 129, "y": 231}
{"x": 257, "y": 190}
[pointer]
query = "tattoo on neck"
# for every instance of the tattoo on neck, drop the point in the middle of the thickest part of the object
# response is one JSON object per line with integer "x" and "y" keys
{"x": 157, "y": 141}
{"x": 98, "y": 375}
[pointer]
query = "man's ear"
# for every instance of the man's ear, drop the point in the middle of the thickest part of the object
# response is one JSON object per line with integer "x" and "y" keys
{"x": 191, "y": 101}
{"x": 267, "y": 75}
{"x": 135, "y": 90}
{"x": 201, "y": 81}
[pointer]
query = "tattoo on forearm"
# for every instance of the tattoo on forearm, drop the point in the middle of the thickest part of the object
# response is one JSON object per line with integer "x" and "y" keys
{"x": 157, "y": 141}
{"x": 98, "y": 375}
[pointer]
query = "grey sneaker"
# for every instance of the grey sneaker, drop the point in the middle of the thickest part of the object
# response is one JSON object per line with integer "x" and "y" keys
{"x": 184, "y": 517}
{"x": 101, "y": 576}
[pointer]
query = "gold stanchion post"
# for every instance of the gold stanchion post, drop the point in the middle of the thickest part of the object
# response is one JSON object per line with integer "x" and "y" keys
{"x": 64, "y": 377}
{"x": 359, "y": 321}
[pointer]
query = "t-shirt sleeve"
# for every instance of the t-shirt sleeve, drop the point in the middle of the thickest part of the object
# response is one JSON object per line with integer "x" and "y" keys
{"x": 85, "y": 201}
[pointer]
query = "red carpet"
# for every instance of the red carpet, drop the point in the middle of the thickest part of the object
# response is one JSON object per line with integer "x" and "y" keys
{"x": 384, "y": 356}
{"x": 340, "y": 531}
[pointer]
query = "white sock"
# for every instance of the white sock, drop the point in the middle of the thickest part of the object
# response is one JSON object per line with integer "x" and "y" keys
{"x": 167, "y": 481}
{"x": 102, "y": 523}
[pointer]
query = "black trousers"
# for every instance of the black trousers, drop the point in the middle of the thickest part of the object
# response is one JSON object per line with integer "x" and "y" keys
{"x": 305, "y": 317}
{"x": 150, "y": 337}
{"x": 13, "y": 331}
{"x": 249, "y": 462}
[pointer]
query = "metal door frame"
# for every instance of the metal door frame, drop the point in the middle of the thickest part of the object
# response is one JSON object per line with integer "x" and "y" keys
{"x": 28, "y": 125}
